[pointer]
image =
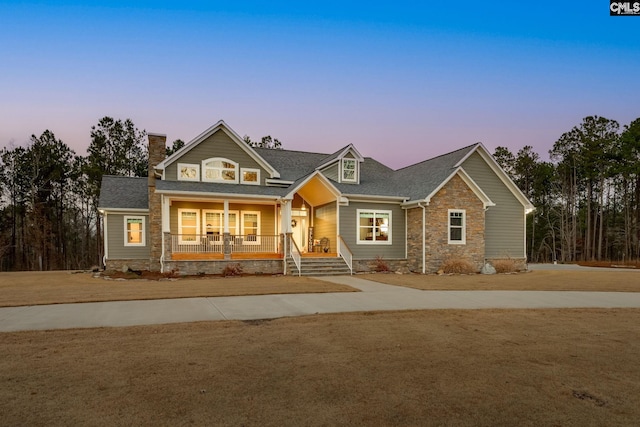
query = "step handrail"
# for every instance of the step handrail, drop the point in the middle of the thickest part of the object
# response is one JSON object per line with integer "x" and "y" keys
{"x": 295, "y": 254}
{"x": 345, "y": 253}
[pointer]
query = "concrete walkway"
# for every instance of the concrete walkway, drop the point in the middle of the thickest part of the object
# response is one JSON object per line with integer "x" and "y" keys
{"x": 374, "y": 296}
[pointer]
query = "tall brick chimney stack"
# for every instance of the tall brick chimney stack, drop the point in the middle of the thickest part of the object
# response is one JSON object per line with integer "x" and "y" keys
{"x": 157, "y": 153}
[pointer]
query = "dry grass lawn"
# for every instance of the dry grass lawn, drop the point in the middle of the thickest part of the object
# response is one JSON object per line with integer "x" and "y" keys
{"x": 55, "y": 287}
{"x": 539, "y": 280}
{"x": 476, "y": 367}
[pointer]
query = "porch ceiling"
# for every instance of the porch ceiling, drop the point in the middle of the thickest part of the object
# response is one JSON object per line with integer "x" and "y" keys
{"x": 316, "y": 192}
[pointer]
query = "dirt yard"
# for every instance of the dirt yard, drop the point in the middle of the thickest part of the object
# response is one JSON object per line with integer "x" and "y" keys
{"x": 541, "y": 280}
{"x": 55, "y": 287}
{"x": 476, "y": 367}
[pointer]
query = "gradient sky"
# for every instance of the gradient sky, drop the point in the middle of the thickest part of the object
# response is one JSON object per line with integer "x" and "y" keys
{"x": 402, "y": 80}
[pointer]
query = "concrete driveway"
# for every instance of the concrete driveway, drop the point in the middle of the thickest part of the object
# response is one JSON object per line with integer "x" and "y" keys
{"x": 374, "y": 296}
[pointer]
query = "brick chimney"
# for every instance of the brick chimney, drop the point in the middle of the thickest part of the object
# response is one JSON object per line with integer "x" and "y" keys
{"x": 157, "y": 153}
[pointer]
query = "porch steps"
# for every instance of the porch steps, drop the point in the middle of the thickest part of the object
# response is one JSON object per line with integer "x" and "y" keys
{"x": 319, "y": 267}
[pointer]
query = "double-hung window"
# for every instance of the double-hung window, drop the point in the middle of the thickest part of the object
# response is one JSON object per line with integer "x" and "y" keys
{"x": 188, "y": 220}
{"x": 134, "y": 233}
{"x": 214, "y": 225}
{"x": 349, "y": 170}
{"x": 251, "y": 226}
{"x": 457, "y": 234}
{"x": 374, "y": 227}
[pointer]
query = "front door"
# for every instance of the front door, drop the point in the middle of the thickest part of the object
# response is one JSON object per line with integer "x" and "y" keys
{"x": 299, "y": 229}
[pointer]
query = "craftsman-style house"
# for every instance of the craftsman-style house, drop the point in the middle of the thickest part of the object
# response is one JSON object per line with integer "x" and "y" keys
{"x": 218, "y": 201}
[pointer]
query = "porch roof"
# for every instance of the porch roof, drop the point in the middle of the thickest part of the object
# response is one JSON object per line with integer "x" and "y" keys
{"x": 123, "y": 192}
{"x": 219, "y": 188}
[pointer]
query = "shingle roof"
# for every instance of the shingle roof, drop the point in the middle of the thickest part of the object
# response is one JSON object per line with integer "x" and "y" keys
{"x": 291, "y": 164}
{"x": 419, "y": 180}
{"x": 413, "y": 182}
{"x": 123, "y": 192}
{"x": 220, "y": 188}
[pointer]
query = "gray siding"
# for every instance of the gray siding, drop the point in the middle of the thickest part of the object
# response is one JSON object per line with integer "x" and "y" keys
{"x": 115, "y": 238}
{"x": 331, "y": 172}
{"x": 324, "y": 224}
{"x": 349, "y": 229}
{"x": 504, "y": 223}
{"x": 217, "y": 145}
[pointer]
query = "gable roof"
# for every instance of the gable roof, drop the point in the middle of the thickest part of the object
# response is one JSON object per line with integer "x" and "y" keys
{"x": 124, "y": 193}
{"x": 420, "y": 180}
{"x": 502, "y": 175}
{"x": 220, "y": 126}
{"x": 412, "y": 184}
{"x": 339, "y": 155}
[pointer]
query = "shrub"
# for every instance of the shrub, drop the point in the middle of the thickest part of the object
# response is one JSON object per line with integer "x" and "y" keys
{"x": 380, "y": 265}
{"x": 504, "y": 265}
{"x": 232, "y": 270}
{"x": 457, "y": 266}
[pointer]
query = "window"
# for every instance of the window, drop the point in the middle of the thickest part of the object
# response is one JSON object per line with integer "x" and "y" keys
{"x": 250, "y": 176}
{"x": 457, "y": 235}
{"x": 349, "y": 170}
{"x": 374, "y": 227}
{"x": 251, "y": 227}
{"x": 188, "y": 172}
{"x": 220, "y": 170}
{"x": 188, "y": 220}
{"x": 134, "y": 234}
{"x": 213, "y": 225}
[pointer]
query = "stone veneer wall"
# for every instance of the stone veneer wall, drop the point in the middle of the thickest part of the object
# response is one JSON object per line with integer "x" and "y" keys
{"x": 254, "y": 266}
{"x": 134, "y": 264}
{"x": 157, "y": 153}
{"x": 454, "y": 195}
{"x": 370, "y": 265}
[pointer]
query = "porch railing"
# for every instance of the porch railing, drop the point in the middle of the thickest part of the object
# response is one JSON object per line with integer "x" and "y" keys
{"x": 295, "y": 254}
{"x": 345, "y": 253}
{"x": 212, "y": 244}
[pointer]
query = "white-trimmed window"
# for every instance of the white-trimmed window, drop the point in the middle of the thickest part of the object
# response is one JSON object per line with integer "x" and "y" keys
{"x": 134, "y": 231}
{"x": 188, "y": 225}
{"x": 250, "y": 176}
{"x": 220, "y": 170}
{"x": 374, "y": 227}
{"x": 349, "y": 170}
{"x": 457, "y": 226}
{"x": 213, "y": 226}
{"x": 251, "y": 227}
{"x": 188, "y": 172}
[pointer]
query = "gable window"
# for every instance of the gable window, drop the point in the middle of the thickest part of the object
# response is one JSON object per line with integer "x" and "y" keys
{"x": 188, "y": 220}
{"x": 374, "y": 227}
{"x": 188, "y": 172}
{"x": 457, "y": 234}
{"x": 134, "y": 234}
{"x": 250, "y": 176}
{"x": 220, "y": 170}
{"x": 349, "y": 172}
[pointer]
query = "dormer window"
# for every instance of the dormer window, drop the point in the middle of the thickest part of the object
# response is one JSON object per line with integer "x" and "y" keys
{"x": 349, "y": 170}
{"x": 220, "y": 170}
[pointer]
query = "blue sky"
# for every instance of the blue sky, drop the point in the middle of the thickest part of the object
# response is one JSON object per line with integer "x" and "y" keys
{"x": 403, "y": 81}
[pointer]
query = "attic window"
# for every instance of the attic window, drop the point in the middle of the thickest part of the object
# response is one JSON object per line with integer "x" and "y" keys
{"x": 220, "y": 170}
{"x": 349, "y": 171}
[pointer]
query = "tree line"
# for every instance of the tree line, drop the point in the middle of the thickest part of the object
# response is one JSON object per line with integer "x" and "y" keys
{"x": 587, "y": 197}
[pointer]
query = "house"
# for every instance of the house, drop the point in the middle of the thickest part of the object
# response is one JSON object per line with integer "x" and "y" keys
{"x": 217, "y": 201}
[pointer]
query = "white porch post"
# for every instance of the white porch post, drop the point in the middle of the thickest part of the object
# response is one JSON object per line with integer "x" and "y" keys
{"x": 226, "y": 216}
{"x": 226, "y": 236}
